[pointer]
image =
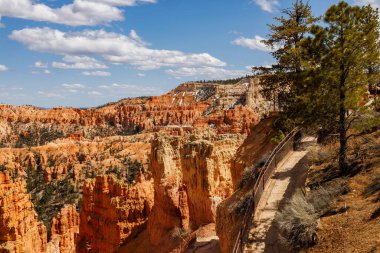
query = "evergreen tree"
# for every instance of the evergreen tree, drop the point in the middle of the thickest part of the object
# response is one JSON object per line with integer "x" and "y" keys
{"x": 285, "y": 78}
{"x": 324, "y": 72}
{"x": 349, "y": 44}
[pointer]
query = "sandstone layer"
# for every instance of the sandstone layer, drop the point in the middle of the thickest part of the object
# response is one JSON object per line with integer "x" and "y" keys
{"x": 20, "y": 230}
{"x": 230, "y": 108}
{"x": 112, "y": 213}
{"x": 191, "y": 177}
{"x": 64, "y": 229}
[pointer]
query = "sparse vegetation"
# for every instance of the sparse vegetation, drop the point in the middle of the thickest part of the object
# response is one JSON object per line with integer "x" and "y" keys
{"x": 251, "y": 173}
{"x": 178, "y": 234}
{"x": 298, "y": 222}
{"x": 243, "y": 205}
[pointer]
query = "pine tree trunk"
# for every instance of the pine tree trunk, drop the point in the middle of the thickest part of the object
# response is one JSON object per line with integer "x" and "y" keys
{"x": 343, "y": 165}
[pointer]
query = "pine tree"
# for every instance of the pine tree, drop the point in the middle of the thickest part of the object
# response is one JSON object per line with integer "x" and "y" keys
{"x": 284, "y": 79}
{"x": 348, "y": 47}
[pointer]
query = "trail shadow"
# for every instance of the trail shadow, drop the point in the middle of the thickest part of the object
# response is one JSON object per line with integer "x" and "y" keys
{"x": 297, "y": 177}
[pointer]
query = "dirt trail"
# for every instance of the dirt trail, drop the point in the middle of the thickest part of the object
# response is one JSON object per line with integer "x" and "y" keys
{"x": 290, "y": 175}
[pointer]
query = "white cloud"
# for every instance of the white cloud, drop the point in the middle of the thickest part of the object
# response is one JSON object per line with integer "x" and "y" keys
{"x": 123, "y": 2}
{"x": 113, "y": 47}
{"x": 255, "y": 43}
{"x": 141, "y": 74}
{"x": 73, "y": 86}
{"x": 94, "y": 93}
{"x": 96, "y": 73}
{"x": 3, "y": 68}
{"x": 79, "y": 12}
{"x": 128, "y": 90}
{"x": 267, "y": 5}
{"x": 50, "y": 94}
{"x": 373, "y": 3}
{"x": 40, "y": 64}
{"x": 46, "y": 72}
{"x": 79, "y": 62}
{"x": 206, "y": 72}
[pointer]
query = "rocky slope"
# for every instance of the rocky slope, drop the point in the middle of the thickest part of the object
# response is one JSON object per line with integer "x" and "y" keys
{"x": 351, "y": 220}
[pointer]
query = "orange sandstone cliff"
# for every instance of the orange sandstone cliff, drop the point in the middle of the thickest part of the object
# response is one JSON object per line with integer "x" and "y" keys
{"x": 64, "y": 229}
{"x": 20, "y": 230}
{"x": 112, "y": 213}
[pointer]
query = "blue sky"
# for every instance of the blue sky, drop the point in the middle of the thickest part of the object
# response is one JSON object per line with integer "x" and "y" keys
{"x": 85, "y": 53}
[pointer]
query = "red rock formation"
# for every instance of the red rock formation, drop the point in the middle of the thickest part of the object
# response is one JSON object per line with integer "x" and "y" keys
{"x": 191, "y": 177}
{"x": 57, "y": 159}
{"x": 231, "y": 108}
{"x": 20, "y": 230}
{"x": 64, "y": 228}
{"x": 112, "y": 213}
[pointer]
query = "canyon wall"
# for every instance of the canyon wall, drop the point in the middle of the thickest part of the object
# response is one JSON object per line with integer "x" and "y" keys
{"x": 112, "y": 213}
{"x": 20, "y": 230}
{"x": 64, "y": 230}
{"x": 191, "y": 177}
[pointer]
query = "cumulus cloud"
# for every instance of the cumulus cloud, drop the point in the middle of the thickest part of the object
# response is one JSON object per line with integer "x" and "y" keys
{"x": 205, "y": 72}
{"x": 267, "y": 5}
{"x": 3, "y": 68}
{"x": 252, "y": 43}
{"x": 128, "y": 90}
{"x": 79, "y": 12}
{"x": 73, "y": 86}
{"x": 50, "y": 94}
{"x": 46, "y": 72}
{"x": 96, "y": 73}
{"x": 40, "y": 64}
{"x": 94, "y": 93}
{"x": 79, "y": 62}
{"x": 113, "y": 47}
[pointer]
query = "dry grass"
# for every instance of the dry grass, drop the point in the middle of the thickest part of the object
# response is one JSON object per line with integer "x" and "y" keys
{"x": 298, "y": 222}
{"x": 178, "y": 234}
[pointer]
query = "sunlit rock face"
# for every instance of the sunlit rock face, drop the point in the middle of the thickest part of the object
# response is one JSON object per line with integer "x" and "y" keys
{"x": 20, "y": 230}
{"x": 112, "y": 213}
{"x": 191, "y": 177}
